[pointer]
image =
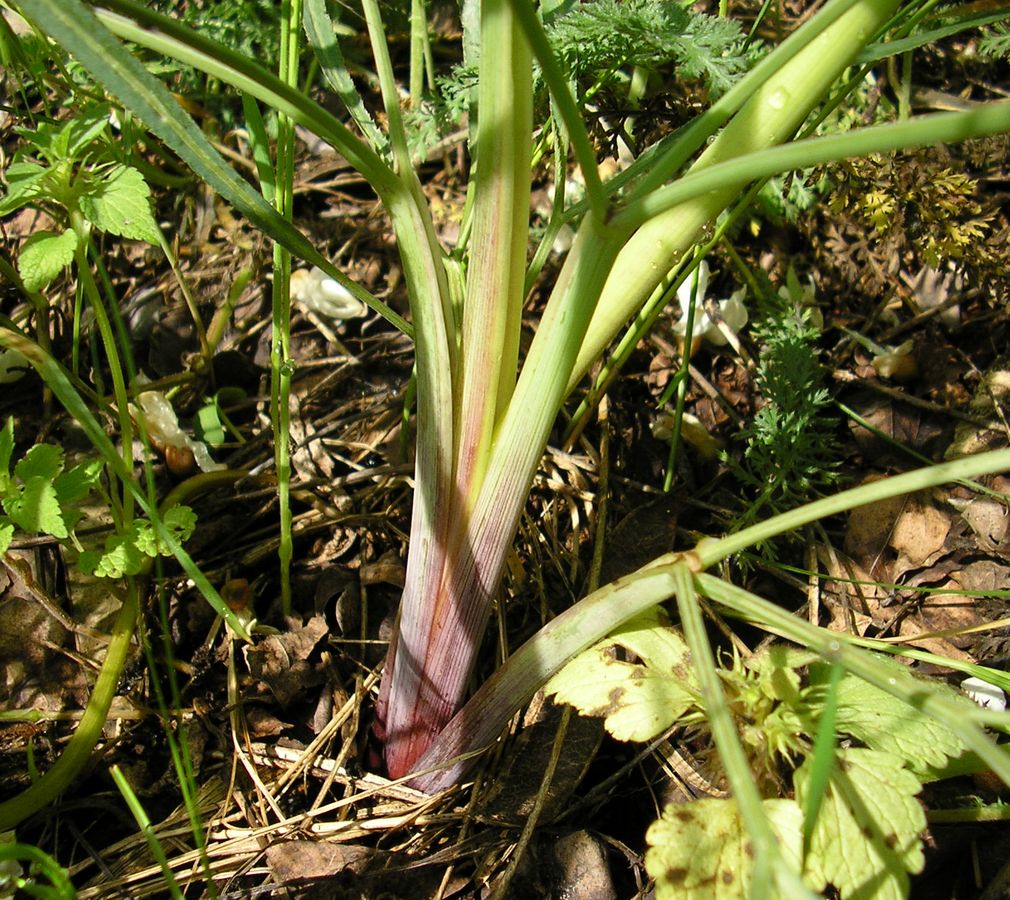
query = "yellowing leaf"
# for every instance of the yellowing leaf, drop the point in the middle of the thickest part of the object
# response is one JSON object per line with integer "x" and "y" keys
{"x": 638, "y": 700}
{"x": 700, "y": 850}
{"x": 883, "y": 722}
{"x": 867, "y": 836}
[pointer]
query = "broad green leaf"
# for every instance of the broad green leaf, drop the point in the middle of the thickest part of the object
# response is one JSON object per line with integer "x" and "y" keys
{"x": 120, "y": 204}
{"x": 638, "y": 700}
{"x": 36, "y": 508}
{"x": 44, "y": 255}
{"x": 75, "y": 484}
{"x": 883, "y": 722}
{"x": 701, "y": 850}
{"x": 868, "y": 833}
{"x": 41, "y": 461}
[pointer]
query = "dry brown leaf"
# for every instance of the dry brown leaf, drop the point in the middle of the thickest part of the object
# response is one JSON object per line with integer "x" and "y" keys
{"x": 301, "y": 860}
{"x": 281, "y": 660}
{"x": 919, "y": 534}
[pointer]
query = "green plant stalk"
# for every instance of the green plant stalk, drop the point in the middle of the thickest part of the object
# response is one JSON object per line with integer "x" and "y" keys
{"x": 281, "y": 364}
{"x": 418, "y": 50}
{"x": 463, "y": 600}
{"x": 486, "y": 715}
{"x": 462, "y": 604}
{"x": 767, "y": 860}
{"x": 89, "y": 731}
{"x": 484, "y": 376}
{"x": 144, "y": 823}
{"x": 123, "y": 503}
{"x": 772, "y": 114}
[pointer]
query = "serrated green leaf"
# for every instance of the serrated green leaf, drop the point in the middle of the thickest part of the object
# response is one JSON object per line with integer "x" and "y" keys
{"x": 701, "y": 850}
{"x": 637, "y": 700}
{"x": 6, "y": 534}
{"x": 179, "y": 520}
{"x": 41, "y": 461}
{"x": 44, "y": 255}
{"x": 883, "y": 722}
{"x": 75, "y": 484}
{"x": 868, "y": 834}
{"x": 36, "y": 510}
{"x": 120, "y": 204}
{"x": 121, "y": 557}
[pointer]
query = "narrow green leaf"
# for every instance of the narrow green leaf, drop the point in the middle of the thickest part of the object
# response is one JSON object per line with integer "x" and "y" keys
{"x": 44, "y": 255}
{"x": 321, "y": 32}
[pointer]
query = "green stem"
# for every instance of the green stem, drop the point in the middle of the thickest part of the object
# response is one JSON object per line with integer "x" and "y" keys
{"x": 770, "y": 115}
{"x": 119, "y": 389}
{"x": 88, "y": 733}
{"x": 767, "y": 860}
{"x": 281, "y": 364}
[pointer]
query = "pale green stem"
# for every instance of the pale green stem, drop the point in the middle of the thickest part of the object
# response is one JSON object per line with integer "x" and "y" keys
{"x": 418, "y": 50}
{"x": 565, "y": 104}
{"x": 281, "y": 364}
{"x": 487, "y": 713}
{"x": 388, "y": 86}
{"x": 492, "y": 306}
{"x": 89, "y": 731}
{"x": 720, "y": 720}
{"x": 462, "y": 604}
{"x": 771, "y": 115}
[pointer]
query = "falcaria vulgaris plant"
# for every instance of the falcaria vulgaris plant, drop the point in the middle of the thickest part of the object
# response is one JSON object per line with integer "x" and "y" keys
{"x": 485, "y": 411}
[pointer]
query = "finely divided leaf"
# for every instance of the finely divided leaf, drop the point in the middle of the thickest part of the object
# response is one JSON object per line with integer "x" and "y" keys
{"x": 121, "y": 204}
{"x": 701, "y": 850}
{"x": 867, "y": 837}
{"x": 883, "y": 722}
{"x": 639, "y": 700}
{"x": 44, "y": 255}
